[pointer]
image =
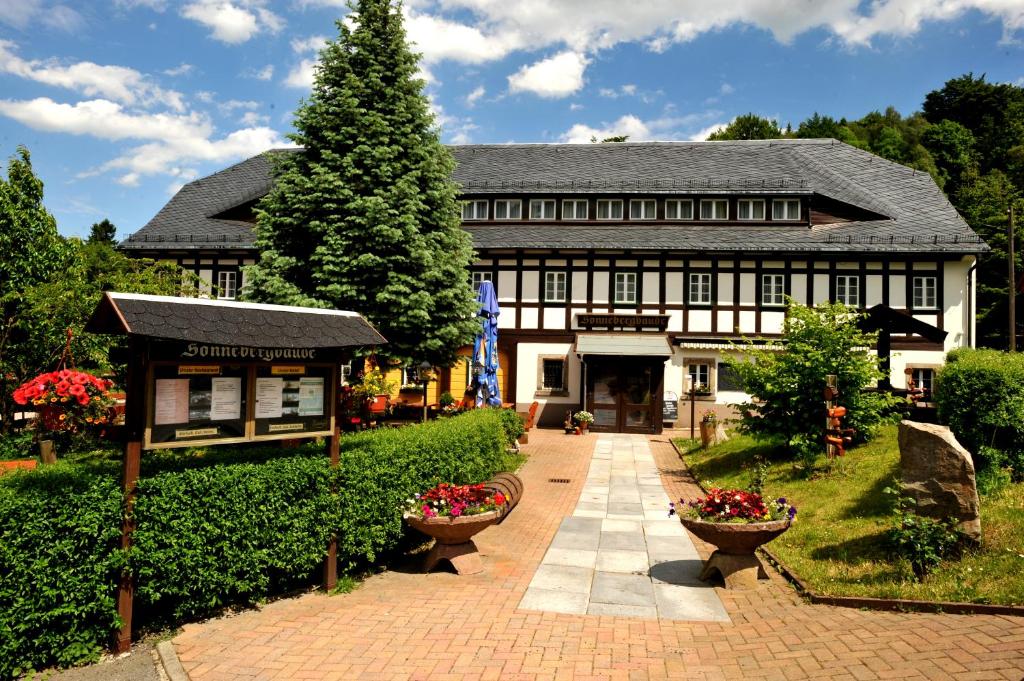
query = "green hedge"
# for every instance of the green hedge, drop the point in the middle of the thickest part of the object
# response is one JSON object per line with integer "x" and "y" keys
{"x": 980, "y": 395}
{"x": 231, "y": 527}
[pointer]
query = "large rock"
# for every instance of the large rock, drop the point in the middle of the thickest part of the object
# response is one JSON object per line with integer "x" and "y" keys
{"x": 938, "y": 473}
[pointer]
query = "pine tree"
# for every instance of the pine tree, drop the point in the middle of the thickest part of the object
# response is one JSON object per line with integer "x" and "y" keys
{"x": 366, "y": 217}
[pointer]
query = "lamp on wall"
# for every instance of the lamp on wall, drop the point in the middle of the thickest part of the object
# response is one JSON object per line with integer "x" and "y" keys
{"x": 424, "y": 377}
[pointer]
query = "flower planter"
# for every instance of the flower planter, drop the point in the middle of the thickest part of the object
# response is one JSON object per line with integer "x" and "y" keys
{"x": 17, "y": 464}
{"x": 453, "y": 540}
{"x": 707, "y": 433}
{"x": 735, "y": 545}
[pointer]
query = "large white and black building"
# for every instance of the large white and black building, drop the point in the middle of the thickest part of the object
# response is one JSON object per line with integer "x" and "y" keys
{"x": 625, "y": 270}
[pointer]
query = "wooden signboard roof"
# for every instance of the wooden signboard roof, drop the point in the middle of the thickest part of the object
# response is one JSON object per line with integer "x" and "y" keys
{"x": 227, "y": 322}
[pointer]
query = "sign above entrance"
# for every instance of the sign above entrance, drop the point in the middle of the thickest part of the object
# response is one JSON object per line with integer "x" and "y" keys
{"x": 631, "y": 321}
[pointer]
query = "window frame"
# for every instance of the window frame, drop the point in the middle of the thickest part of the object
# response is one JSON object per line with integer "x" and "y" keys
{"x": 542, "y": 390}
{"x": 855, "y": 278}
{"x": 642, "y": 203}
{"x": 542, "y": 203}
{"x": 508, "y": 203}
{"x": 576, "y": 202}
{"x": 924, "y": 301}
{"x": 689, "y": 288}
{"x": 222, "y": 288}
{"x": 712, "y": 203}
{"x": 475, "y": 203}
{"x": 930, "y": 390}
{"x": 477, "y": 277}
{"x": 556, "y": 274}
{"x": 786, "y": 203}
{"x": 615, "y": 288}
{"x": 773, "y": 302}
{"x": 699, "y": 362}
{"x": 678, "y": 203}
{"x": 751, "y": 202}
{"x": 610, "y": 203}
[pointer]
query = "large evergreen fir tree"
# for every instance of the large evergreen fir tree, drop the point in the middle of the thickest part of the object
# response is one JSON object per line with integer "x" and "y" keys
{"x": 366, "y": 217}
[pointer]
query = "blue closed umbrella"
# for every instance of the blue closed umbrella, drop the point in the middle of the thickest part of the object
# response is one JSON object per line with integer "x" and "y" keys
{"x": 486, "y": 366}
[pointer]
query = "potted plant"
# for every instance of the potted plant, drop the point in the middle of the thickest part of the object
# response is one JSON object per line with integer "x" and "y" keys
{"x": 736, "y": 522}
{"x": 582, "y": 419}
{"x": 708, "y": 425}
{"x": 374, "y": 390}
{"x": 66, "y": 401}
{"x": 452, "y": 514}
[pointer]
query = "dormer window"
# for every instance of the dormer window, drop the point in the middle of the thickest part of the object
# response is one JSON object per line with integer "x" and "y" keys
{"x": 643, "y": 209}
{"x": 679, "y": 209}
{"x": 474, "y": 210}
{"x": 575, "y": 209}
{"x": 750, "y": 209}
{"x": 542, "y": 209}
{"x": 714, "y": 209}
{"x": 609, "y": 209}
{"x": 508, "y": 209}
{"x": 786, "y": 209}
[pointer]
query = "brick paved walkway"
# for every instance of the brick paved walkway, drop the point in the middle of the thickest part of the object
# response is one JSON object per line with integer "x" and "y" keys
{"x": 402, "y": 625}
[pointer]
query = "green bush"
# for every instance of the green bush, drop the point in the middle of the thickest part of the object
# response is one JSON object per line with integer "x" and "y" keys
{"x": 980, "y": 396}
{"x": 513, "y": 425}
{"x": 228, "y": 526}
{"x": 17, "y": 445}
{"x": 60, "y": 530}
{"x": 924, "y": 542}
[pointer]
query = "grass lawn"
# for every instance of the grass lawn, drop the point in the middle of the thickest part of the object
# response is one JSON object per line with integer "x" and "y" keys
{"x": 838, "y": 544}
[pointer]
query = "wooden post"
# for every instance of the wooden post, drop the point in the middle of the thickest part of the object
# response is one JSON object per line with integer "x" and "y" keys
{"x": 693, "y": 410}
{"x": 135, "y": 399}
{"x": 331, "y": 562}
{"x": 1013, "y": 284}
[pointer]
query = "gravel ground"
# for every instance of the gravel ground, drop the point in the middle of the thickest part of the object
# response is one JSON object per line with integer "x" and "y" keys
{"x": 140, "y": 665}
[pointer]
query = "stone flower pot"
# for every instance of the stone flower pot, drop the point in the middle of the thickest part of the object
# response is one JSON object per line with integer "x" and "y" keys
{"x": 453, "y": 539}
{"x": 735, "y": 545}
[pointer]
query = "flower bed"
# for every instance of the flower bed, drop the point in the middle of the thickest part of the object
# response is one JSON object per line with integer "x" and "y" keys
{"x": 448, "y": 500}
{"x": 737, "y": 506}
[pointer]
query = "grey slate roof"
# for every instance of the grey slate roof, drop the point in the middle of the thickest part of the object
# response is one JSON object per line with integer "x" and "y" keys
{"x": 222, "y": 322}
{"x": 913, "y": 213}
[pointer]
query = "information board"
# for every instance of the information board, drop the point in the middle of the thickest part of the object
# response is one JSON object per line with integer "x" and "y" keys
{"x": 292, "y": 399}
{"x": 198, "y": 403}
{"x": 670, "y": 407}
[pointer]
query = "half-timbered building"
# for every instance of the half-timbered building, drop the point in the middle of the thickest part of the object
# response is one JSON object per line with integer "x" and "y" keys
{"x": 626, "y": 271}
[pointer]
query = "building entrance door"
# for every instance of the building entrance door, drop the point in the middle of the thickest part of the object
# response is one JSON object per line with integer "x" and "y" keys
{"x": 624, "y": 394}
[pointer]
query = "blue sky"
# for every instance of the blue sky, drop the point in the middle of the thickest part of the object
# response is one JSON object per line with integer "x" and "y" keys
{"x": 123, "y": 101}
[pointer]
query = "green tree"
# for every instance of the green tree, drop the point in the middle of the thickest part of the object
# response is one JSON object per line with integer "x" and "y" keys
{"x": 366, "y": 217}
{"x": 952, "y": 147}
{"x": 819, "y": 127}
{"x": 787, "y": 385}
{"x": 748, "y": 127}
{"x": 103, "y": 232}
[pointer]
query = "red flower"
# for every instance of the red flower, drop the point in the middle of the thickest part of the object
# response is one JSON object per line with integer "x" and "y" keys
{"x": 77, "y": 390}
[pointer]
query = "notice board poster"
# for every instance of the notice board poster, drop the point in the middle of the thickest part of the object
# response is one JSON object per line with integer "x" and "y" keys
{"x": 292, "y": 399}
{"x": 198, "y": 402}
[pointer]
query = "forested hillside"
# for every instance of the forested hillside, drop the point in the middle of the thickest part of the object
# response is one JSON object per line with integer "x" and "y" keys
{"x": 969, "y": 135}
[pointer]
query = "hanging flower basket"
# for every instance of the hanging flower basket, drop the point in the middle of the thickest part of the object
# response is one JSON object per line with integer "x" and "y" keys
{"x": 67, "y": 400}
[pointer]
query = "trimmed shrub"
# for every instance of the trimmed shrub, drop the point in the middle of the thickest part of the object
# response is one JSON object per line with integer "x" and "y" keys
{"x": 60, "y": 557}
{"x": 231, "y": 526}
{"x": 513, "y": 424}
{"x": 980, "y": 396}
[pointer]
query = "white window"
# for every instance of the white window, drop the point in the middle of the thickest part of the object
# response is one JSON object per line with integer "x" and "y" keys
{"x": 924, "y": 379}
{"x": 643, "y": 209}
{"x": 625, "y": 287}
{"x": 227, "y": 285}
{"x": 848, "y": 290}
{"x": 750, "y": 209}
{"x": 773, "y": 289}
{"x": 575, "y": 209}
{"x": 700, "y": 288}
{"x": 346, "y": 372}
{"x": 554, "y": 287}
{"x": 700, "y": 378}
{"x": 478, "y": 278}
{"x": 924, "y": 293}
{"x": 542, "y": 209}
{"x": 474, "y": 210}
{"x": 714, "y": 209}
{"x": 786, "y": 209}
{"x": 679, "y": 209}
{"x": 609, "y": 209}
{"x": 508, "y": 209}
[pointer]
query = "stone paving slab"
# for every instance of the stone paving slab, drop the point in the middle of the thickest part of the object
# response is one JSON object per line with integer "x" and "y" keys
{"x": 622, "y": 512}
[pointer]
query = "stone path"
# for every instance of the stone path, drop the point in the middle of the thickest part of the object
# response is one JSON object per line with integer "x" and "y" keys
{"x": 619, "y": 553}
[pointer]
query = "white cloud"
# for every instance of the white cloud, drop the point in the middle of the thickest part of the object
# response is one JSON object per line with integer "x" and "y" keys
{"x": 554, "y": 77}
{"x": 313, "y": 43}
{"x": 233, "y": 23}
{"x": 726, "y": 89}
{"x": 473, "y": 97}
{"x": 180, "y": 70}
{"x": 253, "y": 119}
{"x": 439, "y": 39}
{"x": 638, "y": 130}
{"x": 169, "y": 140}
{"x": 301, "y": 75}
{"x": 119, "y": 83}
{"x": 702, "y": 134}
{"x": 23, "y": 13}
